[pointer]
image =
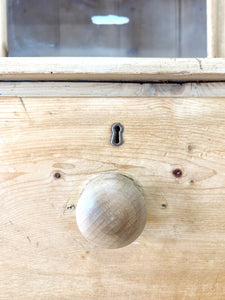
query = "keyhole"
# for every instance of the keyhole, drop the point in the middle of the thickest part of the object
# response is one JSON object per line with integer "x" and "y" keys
{"x": 117, "y": 134}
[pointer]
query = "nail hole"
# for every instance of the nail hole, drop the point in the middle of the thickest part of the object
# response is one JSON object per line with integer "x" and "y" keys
{"x": 163, "y": 205}
{"x": 177, "y": 173}
{"x": 57, "y": 175}
{"x": 190, "y": 148}
{"x": 192, "y": 181}
{"x": 70, "y": 207}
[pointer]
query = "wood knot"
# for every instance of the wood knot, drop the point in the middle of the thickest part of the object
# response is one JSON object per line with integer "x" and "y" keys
{"x": 57, "y": 175}
{"x": 177, "y": 173}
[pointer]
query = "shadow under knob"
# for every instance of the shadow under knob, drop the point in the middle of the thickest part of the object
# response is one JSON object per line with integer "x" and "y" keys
{"x": 111, "y": 211}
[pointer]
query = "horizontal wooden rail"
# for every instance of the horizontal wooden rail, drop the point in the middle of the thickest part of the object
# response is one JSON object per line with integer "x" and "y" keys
{"x": 112, "y": 69}
{"x": 111, "y": 89}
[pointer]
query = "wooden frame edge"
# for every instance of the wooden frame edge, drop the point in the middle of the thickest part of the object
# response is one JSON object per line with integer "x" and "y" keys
{"x": 3, "y": 29}
{"x": 112, "y": 69}
{"x": 215, "y": 28}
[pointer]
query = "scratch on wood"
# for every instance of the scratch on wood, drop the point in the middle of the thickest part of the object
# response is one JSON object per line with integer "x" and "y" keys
{"x": 200, "y": 63}
{"x": 24, "y": 106}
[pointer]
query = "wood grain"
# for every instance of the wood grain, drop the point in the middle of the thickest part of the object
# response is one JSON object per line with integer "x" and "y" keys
{"x": 173, "y": 147}
{"x": 112, "y": 69}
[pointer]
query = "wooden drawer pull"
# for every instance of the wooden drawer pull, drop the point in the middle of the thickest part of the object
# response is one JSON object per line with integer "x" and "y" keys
{"x": 111, "y": 211}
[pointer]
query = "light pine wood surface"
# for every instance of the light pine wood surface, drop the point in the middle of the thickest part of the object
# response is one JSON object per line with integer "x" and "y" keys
{"x": 112, "y": 69}
{"x": 173, "y": 147}
{"x": 111, "y": 89}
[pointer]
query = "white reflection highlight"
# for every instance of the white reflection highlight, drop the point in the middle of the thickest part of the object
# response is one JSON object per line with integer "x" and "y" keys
{"x": 110, "y": 20}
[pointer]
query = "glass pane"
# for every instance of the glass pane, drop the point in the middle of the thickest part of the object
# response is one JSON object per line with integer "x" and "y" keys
{"x": 143, "y": 28}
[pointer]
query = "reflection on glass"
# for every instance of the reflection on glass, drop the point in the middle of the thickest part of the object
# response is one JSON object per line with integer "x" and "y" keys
{"x": 143, "y": 28}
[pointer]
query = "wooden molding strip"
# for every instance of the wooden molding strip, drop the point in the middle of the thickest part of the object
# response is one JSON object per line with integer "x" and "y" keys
{"x": 216, "y": 28}
{"x": 108, "y": 90}
{"x": 112, "y": 69}
{"x": 3, "y": 28}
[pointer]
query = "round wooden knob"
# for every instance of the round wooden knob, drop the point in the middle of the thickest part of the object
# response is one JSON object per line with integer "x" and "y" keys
{"x": 111, "y": 211}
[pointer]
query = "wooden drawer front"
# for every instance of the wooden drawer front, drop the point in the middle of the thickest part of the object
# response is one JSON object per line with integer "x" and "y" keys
{"x": 173, "y": 147}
